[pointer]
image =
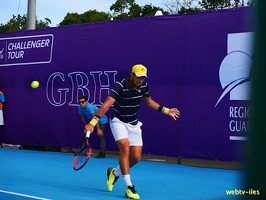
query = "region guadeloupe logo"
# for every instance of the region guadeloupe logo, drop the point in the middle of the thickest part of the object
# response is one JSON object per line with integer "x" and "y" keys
{"x": 235, "y": 78}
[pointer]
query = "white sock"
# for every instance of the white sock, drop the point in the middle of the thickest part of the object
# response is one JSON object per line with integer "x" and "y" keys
{"x": 127, "y": 179}
{"x": 117, "y": 171}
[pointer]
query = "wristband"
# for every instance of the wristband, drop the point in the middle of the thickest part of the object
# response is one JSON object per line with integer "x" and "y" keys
{"x": 96, "y": 117}
{"x": 160, "y": 108}
{"x": 166, "y": 110}
{"x": 94, "y": 121}
{"x": 163, "y": 110}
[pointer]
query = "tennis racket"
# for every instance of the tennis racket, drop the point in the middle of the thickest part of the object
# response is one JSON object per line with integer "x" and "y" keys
{"x": 83, "y": 155}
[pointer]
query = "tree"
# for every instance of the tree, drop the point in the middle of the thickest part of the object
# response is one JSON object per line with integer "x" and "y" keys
{"x": 19, "y": 23}
{"x": 71, "y": 18}
{"x": 189, "y": 6}
{"x": 94, "y": 16}
{"x": 149, "y": 10}
{"x": 121, "y": 6}
{"x": 184, "y": 10}
{"x": 135, "y": 11}
{"x": 43, "y": 24}
{"x": 129, "y": 9}
{"x": 178, "y": 7}
{"x": 221, "y": 4}
{"x": 87, "y": 17}
{"x": 215, "y": 4}
{"x": 251, "y": 2}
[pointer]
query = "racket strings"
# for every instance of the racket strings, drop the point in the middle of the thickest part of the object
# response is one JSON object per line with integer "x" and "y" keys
{"x": 83, "y": 155}
{"x": 82, "y": 158}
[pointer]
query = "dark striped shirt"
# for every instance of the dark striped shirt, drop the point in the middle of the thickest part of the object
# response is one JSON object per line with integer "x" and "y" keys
{"x": 127, "y": 104}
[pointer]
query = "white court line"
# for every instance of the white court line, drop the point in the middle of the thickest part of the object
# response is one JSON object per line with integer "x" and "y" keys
{"x": 23, "y": 195}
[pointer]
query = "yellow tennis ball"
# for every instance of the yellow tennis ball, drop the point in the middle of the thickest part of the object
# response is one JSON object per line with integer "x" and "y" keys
{"x": 35, "y": 84}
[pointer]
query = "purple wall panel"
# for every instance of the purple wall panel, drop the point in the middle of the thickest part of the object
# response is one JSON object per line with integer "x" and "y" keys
{"x": 191, "y": 60}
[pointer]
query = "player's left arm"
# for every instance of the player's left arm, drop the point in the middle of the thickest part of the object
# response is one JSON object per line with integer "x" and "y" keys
{"x": 173, "y": 112}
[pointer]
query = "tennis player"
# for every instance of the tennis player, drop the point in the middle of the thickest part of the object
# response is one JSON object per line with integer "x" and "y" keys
{"x": 126, "y": 96}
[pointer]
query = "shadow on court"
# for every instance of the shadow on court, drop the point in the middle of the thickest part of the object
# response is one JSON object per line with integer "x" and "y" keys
{"x": 27, "y": 174}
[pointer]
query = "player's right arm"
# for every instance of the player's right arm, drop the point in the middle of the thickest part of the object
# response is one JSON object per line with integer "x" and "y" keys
{"x": 102, "y": 110}
{"x": 109, "y": 101}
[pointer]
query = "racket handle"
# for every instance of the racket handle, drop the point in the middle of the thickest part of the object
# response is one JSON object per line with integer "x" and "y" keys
{"x": 88, "y": 134}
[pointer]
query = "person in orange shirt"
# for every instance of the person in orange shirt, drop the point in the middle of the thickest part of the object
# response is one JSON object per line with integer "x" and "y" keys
{"x": 2, "y": 107}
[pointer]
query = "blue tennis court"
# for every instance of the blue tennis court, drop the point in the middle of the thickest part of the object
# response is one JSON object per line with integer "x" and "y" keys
{"x": 27, "y": 174}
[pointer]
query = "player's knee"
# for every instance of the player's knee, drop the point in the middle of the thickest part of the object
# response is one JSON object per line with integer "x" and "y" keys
{"x": 136, "y": 157}
{"x": 124, "y": 149}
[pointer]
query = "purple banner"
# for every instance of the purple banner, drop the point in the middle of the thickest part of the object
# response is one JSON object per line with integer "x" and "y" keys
{"x": 26, "y": 50}
{"x": 199, "y": 63}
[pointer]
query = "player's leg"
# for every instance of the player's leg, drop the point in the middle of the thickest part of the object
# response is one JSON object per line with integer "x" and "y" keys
{"x": 134, "y": 158}
{"x": 124, "y": 165}
{"x": 124, "y": 150}
{"x": 119, "y": 132}
{"x": 135, "y": 155}
{"x": 129, "y": 140}
{"x": 135, "y": 151}
{"x": 129, "y": 156}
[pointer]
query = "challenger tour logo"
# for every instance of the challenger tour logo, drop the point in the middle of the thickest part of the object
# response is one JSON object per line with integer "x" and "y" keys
{"x": 26, "y": 50}
{"x": 235, "y": 79}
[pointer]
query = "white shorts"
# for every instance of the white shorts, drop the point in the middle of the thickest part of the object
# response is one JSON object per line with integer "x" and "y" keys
{"x": 1, "y": 117}
{"x": 123, "y": 130}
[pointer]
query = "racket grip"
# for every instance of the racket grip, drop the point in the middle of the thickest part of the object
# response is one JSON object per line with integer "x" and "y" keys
{"x": 88, "y": 134}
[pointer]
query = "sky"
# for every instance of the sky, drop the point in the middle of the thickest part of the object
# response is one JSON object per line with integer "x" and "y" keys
{"x": 56, "y": 10}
